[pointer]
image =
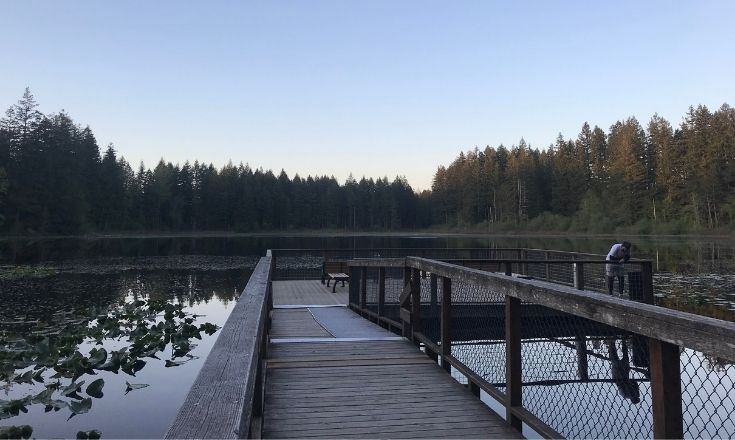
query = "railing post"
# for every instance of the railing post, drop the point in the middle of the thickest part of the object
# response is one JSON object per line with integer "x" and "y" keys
{"x": 433, "y": 300}
{"x": 666, "y": 389}
{"x": 474, "y": 388}
{"x": 446, "y": 323}
{"x": 578, "y": 276}
{"x": 647, "y": 281}
{"x": 405, "y": 313}
{"x": 354, "y": 287}
{"x": 363, "y": 289}
{"x": 508, "y": 268}
{"x": 580, "y": 343}
{"x": 513, "y": 390}
{"x": 381, "y": 291}
{"x": 415, "y": 303}
{"x": 523, "y": 267}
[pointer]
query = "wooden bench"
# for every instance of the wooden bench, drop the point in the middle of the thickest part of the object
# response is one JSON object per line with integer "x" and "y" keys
{"x": 335, "y": 270}
{"x": 338, "y": 276}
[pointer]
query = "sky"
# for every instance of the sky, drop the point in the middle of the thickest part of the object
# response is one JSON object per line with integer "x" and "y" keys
{"x": 372, "y": 88}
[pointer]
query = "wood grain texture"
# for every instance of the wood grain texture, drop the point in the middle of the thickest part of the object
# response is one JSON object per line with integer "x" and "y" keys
{"x": 308, "y": 292}
{"x": 220, "y": 401}
{"x": 289, "y": 323}
{"x": 381, "y": 389}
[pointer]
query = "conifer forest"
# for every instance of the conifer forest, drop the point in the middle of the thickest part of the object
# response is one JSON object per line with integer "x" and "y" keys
{"x": 648, "y": 177}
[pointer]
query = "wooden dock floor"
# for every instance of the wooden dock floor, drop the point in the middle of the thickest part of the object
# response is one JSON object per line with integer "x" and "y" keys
{"x": 308, "y": 292}
{"x": 333, "y": 374}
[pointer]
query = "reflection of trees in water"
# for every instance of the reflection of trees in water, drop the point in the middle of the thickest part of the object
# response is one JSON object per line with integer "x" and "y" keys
{"x": 716, "y": 364}
{"x": 188, "y": 287}
{"x": 40, "y": 299}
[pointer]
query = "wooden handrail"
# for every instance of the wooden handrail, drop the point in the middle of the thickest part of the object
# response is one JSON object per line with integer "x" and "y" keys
{"x": 709, "y": 335}
{"x": 227, "y": 393}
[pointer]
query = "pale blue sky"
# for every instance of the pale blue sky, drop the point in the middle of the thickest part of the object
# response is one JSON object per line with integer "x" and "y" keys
{"x": 376, "y": 88}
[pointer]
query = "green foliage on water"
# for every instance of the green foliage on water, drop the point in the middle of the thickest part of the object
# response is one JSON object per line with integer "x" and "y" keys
{"x": 92, "y": 435}
{"x": 22, "y": 431}
{"x": 49, "y": 355}
{"x": 11, "y": 273}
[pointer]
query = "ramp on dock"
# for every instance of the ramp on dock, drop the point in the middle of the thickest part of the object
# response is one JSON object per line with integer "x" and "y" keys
{"x": 330, "y": 373}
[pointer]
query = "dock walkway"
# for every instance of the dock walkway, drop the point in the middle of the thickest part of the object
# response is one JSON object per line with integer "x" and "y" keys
{"x": 331, "y": 373}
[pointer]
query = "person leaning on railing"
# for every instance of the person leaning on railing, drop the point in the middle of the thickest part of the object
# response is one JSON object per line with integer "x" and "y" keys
{"x": 619, "y": 253}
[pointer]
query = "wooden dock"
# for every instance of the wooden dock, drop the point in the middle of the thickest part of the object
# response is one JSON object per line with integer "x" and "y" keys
{"x": 332, "y": 374}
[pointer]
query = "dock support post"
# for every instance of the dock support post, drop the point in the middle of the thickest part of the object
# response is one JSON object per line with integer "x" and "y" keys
{"x": 666, "y": 389}
{"x": 578, "y": 276}
{"x": 381, "y": 292}
{"x": 415, "y": 304}
{"x": 580, "y": 343}
{"x": 363, "y": 289}
{"x": 446, "y": 323}
{"x": 405, "y": 315}
{"x": 513, "y": 390}
{"x": 647, "y": 281}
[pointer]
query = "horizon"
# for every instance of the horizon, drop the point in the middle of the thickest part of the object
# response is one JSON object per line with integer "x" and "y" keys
{"x": 381, "y": 89}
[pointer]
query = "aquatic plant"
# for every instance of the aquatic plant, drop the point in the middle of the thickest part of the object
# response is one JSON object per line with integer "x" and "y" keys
{"x": 48, "y": 354}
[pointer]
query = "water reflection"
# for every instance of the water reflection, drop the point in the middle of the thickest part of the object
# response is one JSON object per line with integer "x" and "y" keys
{"x": 692, "y": 274}
{"x": 620, "y": 370}
{"x": 49, "y": 304}
{"x": 596, "y": 386}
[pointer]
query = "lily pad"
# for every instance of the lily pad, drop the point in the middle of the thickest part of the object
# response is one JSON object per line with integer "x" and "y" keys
{"x": 92, "y": 435}
{"x": 80, "y": 407}
{"x": 95, "y": 388}
{"x": 22, "y": 431}
{"x": 134, "y": 386}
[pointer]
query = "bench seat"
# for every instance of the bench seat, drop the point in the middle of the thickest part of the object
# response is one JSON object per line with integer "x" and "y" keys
{"x": 336, "y": 277}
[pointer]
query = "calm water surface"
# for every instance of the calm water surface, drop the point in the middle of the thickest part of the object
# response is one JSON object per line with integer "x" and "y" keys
{"x": 206, "y": 275}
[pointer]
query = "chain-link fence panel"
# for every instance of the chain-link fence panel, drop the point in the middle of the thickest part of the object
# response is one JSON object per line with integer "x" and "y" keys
{"x": 708, "y": 395}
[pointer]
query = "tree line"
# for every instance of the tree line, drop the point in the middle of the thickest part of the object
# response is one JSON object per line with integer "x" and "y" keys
{"x": 54, "y": 179}
{"x": 654, "y": 179}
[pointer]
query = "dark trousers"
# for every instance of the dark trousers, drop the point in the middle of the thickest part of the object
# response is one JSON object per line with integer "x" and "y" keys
{"x": 611, "y": 280}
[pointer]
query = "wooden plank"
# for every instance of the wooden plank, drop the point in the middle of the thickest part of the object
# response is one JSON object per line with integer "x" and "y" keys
{"x": 426, "y": 427}
{"x": 296, "y": 323}
{"x": 307, "y": 292}
{"x": 355, "y": 357}
{"x": 364, "y": 389}
{"x": 219, "y": 403}
{"x": 348, "y": 363}
{"x": 436, "y": 433}
{"x": 389, "y": 408}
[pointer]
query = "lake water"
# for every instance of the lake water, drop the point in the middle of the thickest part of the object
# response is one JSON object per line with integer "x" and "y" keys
{"x": 41, "y": 280}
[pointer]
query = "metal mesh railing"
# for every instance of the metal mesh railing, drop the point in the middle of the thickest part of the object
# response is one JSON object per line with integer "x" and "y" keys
{"x": 708, "y": 399}
{"x": 572, "y": 271}
{"x": 583, "y": 378}
{"x": 579, "y": 377}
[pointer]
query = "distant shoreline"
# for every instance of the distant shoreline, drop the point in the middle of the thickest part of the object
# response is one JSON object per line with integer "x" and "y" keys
{"x": 347, "y": 234}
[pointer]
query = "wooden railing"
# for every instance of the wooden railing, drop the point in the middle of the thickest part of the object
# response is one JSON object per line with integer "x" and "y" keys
{"x": 582, "y": 270}
{"x": 226, "y": 399}
{"x": 665, "y": 330}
